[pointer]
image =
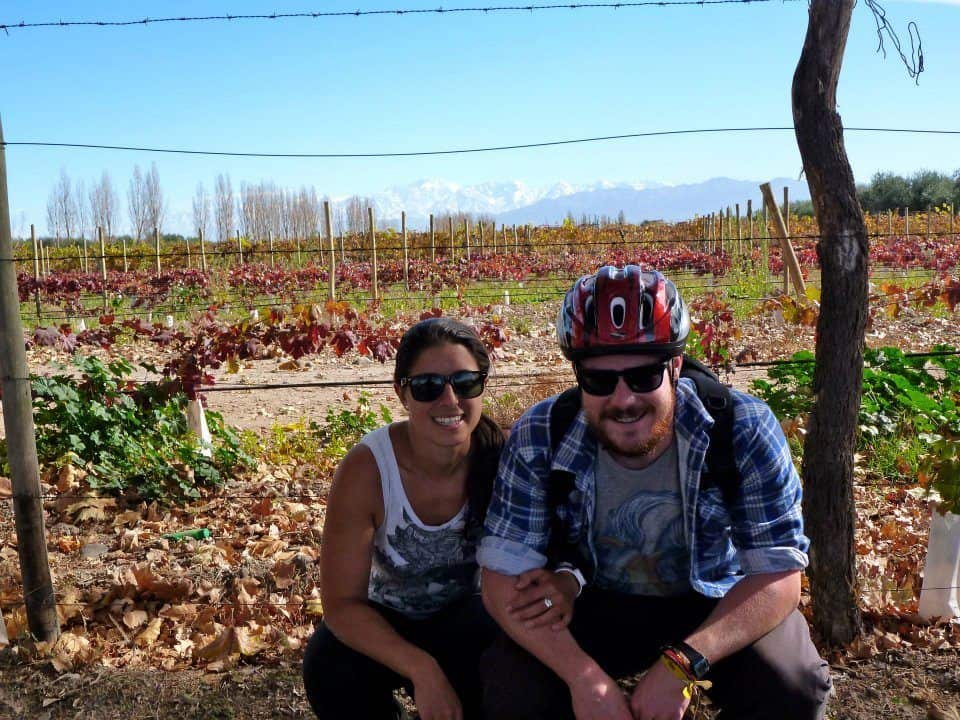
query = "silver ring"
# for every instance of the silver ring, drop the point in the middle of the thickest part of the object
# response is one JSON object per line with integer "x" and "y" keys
{"x": 548, "y": 602}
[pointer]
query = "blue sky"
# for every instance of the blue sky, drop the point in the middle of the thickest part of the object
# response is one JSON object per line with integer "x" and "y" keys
{"x": 434, "y": 82}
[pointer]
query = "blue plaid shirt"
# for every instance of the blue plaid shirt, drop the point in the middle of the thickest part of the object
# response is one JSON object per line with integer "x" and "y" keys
{"x": 762, "y": 532}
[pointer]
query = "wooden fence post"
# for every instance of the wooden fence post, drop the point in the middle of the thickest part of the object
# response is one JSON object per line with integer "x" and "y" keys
{"x": 750, "y": 225}
{"x": 239, "y": 248}
{"x": 156, "y": 244}
{"x": 186, "y": 243}
{"x": 273, "y": 256}
{"x": 952, "y": 236}
{"x": 480, "y": 230}
{"x": 929, "y": 215}
{"x": 493, "y": 237}
{"x": 452, "y": 241}
{"x": 466, "y": 237}
{"x": 789, "y": 257}
{"x": 39, "y": 597}
{"x": 86, "y": 259}
{"x": 406, "y": 256}
{"x": 332, "y": 287}
{"x": 36, "y": 276}
{"x": 906, "y": 223}
{"x": 433, "y": 241}
{"x": 123, "y": 245}
{"x": 516, "y": 240}
{"x": 103, "y": 267}
{"x": 786, "y": 209}
{"x": 203, "y": 252}
{"x": 373, "y": 250}
{"x": 890, "y": 223}
{"x": 739, "y": 233}
{"x": 343, "y": 254}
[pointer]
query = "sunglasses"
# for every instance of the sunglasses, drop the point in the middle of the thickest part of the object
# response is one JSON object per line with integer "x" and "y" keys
{"x": 428, "y": 387}
{"x": 641, "y": 379}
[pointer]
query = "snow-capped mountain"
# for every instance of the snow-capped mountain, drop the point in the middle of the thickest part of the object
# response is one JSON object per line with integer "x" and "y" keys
{"x": 422, "y": 198}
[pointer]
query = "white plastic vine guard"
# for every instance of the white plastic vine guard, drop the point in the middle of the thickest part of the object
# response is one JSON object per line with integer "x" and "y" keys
{"x": 255, "y": 315}
{"x": 940, "y": 595}
{"x": 197, "y": 422}
{"x": 169, "y": 321}
{"x": 81, "y": 326}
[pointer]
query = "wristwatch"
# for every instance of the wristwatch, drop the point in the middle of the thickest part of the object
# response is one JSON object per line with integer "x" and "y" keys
{"x": 578, "y": 576}
{"x": 699, "y": 665}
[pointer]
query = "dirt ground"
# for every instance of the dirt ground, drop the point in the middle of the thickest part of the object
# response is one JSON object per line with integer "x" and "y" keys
{"x": 902, "y": 682}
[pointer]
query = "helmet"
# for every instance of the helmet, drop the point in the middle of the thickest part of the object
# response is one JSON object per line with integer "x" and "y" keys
{"x": 622, "y": 311}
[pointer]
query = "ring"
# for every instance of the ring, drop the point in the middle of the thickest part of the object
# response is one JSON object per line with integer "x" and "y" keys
{"x": 548, "y": 602}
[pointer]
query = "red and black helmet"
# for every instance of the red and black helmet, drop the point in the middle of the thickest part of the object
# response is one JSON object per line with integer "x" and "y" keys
{"x": 622, "y": 311}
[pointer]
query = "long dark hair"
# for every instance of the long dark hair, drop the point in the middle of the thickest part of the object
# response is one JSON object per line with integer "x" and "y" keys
{"x": 486, "y": 441}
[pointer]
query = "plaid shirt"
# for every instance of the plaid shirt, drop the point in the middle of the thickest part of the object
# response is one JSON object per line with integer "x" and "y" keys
{"x": 762, "y": 532}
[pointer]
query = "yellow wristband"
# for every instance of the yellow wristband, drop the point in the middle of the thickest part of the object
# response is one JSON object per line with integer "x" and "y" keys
{"x": 690, "y": 686}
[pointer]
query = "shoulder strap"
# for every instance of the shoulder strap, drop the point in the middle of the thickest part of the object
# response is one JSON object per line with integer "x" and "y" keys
{"x": 560, "y": 484}
{"x": 718, "y": 401}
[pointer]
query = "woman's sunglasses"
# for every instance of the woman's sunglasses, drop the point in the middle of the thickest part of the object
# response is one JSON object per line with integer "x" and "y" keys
{"x": 641, "y": 379}
{"x": 428, "y": 387}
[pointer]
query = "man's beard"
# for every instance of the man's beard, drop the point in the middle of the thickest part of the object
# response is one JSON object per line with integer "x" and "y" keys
{"x": 662, "y": 427}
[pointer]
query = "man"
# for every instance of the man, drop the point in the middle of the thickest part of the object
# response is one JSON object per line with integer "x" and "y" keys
{"x": 689, "y": 583}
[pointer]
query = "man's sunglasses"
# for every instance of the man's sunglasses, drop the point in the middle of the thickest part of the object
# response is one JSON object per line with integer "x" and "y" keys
{"x": 640, "y": 379}
{"x": 428, "y": 387}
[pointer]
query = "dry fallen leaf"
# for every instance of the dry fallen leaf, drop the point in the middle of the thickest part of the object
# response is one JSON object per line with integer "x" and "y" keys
{"x": 134, "y": 618}
{"x": 150, "y": 634}
{"x": 6, "y": 487}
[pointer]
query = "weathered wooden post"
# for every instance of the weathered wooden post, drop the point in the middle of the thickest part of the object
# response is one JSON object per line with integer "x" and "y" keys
{"x": 38, "y": 593}
{"x": 406, "y": 256}
{"x": 203, "y": 252}
{"x": 373, "y": 251}
{"x": 906, "y": 223}
{"x": 452, "y": 240}
{"x": 493, "y": 237}
{"x": 890, "y": 223}
{"x": 466, "y": 237}
{"x": 273, "y": 256}
{"x": 929, "y": 215}
{"x": 786, "y": 209}
{"x": 516, "y": 240}
{"x": 186, "y": 242}
{"x": 103, "y": 267}
{"x": 789, "y": 257}
{"x": 480, "y": 231}
{"x": 36, "y": 276}
{"x": 332, "y": 287}
{"x": 239, "y": 249}
{"x": 739, "y": 233}
{"x": 123, "y": 246}
{"x": 156, "y": 244}
{"x": 433, "y": 241}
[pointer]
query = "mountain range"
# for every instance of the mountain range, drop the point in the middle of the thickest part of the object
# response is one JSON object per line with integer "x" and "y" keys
{"x": 514, "y": 202}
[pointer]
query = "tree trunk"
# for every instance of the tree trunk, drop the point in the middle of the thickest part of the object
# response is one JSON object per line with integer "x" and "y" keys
{"x": 843, "y": 251}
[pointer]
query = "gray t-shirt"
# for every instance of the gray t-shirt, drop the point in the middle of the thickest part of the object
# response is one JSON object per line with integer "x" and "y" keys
{"x": 638, "y": 532}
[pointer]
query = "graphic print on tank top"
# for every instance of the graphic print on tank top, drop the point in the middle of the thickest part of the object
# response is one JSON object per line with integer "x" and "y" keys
{"x": 641, "y": 548}
{"x": 416, "y": 569}
{"x": 438, "y": 566}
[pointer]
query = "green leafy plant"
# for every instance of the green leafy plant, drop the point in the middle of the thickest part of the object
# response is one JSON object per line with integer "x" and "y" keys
{"x": 128, "y": 437}
{"x": 345, "y": 427}
{"x": 905, "y": 399}
{"x": 940, "y": 471}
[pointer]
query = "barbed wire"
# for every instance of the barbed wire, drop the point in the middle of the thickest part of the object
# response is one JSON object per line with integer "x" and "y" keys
{"x": 463, "y": 151}
{"x": 316, "y": 15}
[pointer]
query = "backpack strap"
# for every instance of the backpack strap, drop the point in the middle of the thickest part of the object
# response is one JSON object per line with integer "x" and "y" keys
{"x": 718, "y": 401}
{"x": 560, "y": 483}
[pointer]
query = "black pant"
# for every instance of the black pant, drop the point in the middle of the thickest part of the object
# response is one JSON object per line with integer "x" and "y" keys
{"x": 343, "y": 684}
{"x": 780, "y": 676}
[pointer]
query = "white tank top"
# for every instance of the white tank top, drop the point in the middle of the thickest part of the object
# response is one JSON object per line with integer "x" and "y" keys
{"x": 416, "y": 569}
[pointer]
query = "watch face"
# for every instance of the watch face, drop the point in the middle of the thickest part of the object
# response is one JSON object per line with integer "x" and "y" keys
{"x": 700, "y": 667}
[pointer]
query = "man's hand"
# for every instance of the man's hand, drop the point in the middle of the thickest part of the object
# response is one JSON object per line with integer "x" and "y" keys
{"x": 596, "y": 696}
{"x": 532, "y": 588}
{"x": 434, "y": 695}
{"x": 658, "y": 695}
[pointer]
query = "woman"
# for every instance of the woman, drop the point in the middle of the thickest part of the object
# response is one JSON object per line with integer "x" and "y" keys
{"x": 403, "y": 520}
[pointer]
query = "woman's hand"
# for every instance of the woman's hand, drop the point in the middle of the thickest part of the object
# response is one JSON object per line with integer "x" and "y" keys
{"x": 434, "y": 695}
{"x": 543, "y": 597}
